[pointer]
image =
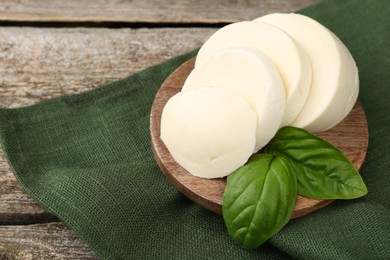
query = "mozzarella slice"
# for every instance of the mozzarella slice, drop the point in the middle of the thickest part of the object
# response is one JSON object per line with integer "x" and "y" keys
{"x": 289, "y": 58}
{"x": 335, "y": 82}
{"x": 209, "y": 131}
{"x": 250, "y": 74}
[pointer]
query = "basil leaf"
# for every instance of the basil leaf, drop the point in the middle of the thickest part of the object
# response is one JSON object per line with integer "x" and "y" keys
{"x": 259, "y": 199}
{"x": 322, "y": 171}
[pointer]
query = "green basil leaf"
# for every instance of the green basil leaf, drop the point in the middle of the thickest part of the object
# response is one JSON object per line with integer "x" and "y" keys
{"x": 322, "y": 171}
{"x": 259, "y": 199}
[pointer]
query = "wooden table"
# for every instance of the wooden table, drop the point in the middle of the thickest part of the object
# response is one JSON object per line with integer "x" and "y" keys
{"x": 50, "y": 48}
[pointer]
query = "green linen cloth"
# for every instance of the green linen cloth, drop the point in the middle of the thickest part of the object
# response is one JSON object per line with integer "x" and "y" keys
{"x": 88, "y": 159}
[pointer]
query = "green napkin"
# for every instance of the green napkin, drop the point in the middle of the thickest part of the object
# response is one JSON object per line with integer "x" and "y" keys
{"x": 87, "y": 158}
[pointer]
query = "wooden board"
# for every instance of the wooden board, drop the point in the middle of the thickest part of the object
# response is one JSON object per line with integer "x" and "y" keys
{"x": 350, "y": 136}
{"x": 42, "y": 241}
{"x": 143, "y": 11}
{"x": 42, "y": 63}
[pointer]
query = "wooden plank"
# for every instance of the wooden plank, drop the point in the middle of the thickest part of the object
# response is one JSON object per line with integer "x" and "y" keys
{"x": 42, "y": 241}
{"x": 136, "y": 11}
{"x": 16, "y": 207}
{"x": 41, "y": 63}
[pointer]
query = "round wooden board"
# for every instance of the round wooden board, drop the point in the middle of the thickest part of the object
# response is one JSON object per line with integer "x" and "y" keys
{"x": 350, "y": 136}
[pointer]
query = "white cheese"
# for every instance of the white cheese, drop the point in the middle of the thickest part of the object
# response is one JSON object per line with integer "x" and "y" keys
{"x": 335, "y": 81}
{"x": 209, "y": 131}
{"x": 289, "y": 58}
{"x": 250, "y": 74}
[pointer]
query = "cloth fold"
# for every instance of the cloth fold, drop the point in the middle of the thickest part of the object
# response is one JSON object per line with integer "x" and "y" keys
{"x": 87, "y": 158}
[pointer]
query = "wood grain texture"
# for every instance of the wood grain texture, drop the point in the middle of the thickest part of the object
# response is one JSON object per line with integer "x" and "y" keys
{"x": 350, "y": 136}
{"x": 41, "y": 63}
{"x": 141, "y": 11}
{"x": 17, "y": 207}
{"x": 42, "y": 241}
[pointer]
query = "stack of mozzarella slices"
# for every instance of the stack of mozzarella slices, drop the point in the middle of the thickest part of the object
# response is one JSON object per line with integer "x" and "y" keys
{"x": 250, "y": 79}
